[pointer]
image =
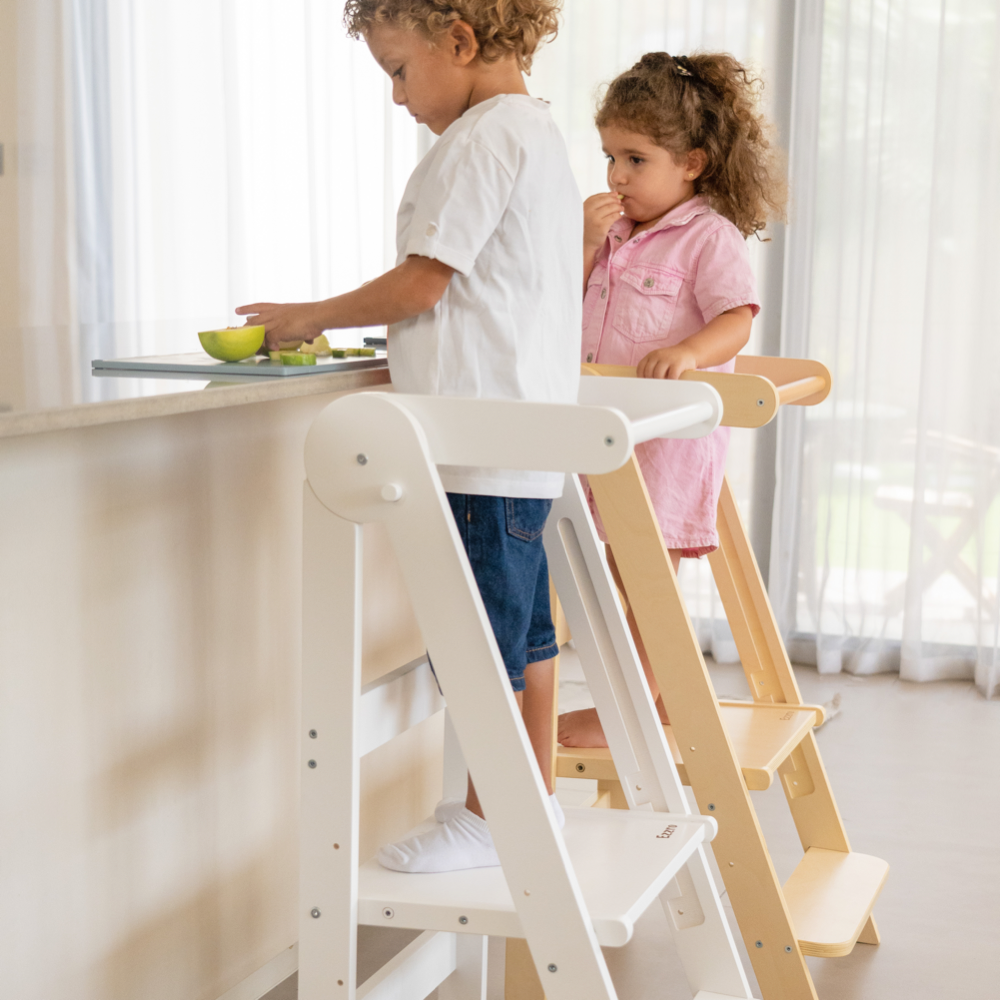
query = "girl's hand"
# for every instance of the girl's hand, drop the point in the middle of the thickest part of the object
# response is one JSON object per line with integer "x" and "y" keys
{"x": 600, "y": 213}
{"x": 667, "y": 362}
{"x": 283, "y": 323}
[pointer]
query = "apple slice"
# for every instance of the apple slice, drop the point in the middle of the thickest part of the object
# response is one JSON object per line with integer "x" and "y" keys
{"x": 320, "y": 347}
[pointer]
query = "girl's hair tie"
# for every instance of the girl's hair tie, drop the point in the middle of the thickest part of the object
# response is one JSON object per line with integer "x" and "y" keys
{"x": 683, "y": 67}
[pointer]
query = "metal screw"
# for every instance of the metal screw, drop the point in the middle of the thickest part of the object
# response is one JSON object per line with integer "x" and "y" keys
{"x": 463, "y": 920}
{"x": 788, "y": 949}
{"x": 760, "y": 402}
{"x": 711, "y": 807}
{"x": 553, "y": 967}
{"x": 362, "y": 459}
{"x": 336, "y": 847}
{"x": 312, "y": 763}
{"x": 527, "y": 892}
{"x": 609, "y": 440}
{"x": 388, "y": 913}
{"x": 758, "y": 944}
{"x": 732, "y": 864}
{"x": 314, "y": 913}
{"x": 313, "y": 734}
{"x": 692, "y": 748}
{"x": 581, "y": 768}
{"x": 340, "y": 982}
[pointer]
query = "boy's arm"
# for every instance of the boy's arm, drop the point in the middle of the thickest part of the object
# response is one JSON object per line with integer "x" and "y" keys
{"x": 714, "y": 344}
{"x": 413, "y": 287}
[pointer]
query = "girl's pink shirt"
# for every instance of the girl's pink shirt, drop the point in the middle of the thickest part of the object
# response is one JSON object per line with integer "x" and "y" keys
{"x": 653, "y": 291}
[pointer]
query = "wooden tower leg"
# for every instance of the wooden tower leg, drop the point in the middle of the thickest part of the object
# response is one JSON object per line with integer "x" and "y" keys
{"x": 521, "y": 981}
{"x": 771, "y": 678}
{"x": 714, "y": 772}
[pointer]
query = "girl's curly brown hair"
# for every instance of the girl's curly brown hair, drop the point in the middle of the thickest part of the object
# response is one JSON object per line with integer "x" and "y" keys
{"x": 502, "y": 27}
{"x": 706, "y": 101}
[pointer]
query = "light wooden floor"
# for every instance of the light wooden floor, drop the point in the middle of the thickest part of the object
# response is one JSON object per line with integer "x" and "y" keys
{"x": 916, "y": 772}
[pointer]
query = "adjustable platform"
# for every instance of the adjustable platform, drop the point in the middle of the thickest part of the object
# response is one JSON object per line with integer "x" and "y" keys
{"x": 762, "y": 737}
{"x": 723, "y": 750}
{"x": 623, "y": 862}
{"x": 373, "y": 457}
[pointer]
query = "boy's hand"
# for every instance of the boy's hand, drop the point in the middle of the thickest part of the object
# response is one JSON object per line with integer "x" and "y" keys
{"x": 667, "y": 362}
{"x": 283, "y": 323}
{"x": 600, "y": 213}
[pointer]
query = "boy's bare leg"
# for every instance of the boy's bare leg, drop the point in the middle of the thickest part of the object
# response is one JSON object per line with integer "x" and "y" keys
{"x": 535, "y": 703}
{"x": 583, "y": 728}
{"x": 462, "y": 840}
{"x": 537, "y": 710}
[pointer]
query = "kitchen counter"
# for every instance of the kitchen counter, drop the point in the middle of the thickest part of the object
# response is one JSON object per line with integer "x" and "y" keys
{"x": 46, "y": 382}
{"x": 151, "y": 547}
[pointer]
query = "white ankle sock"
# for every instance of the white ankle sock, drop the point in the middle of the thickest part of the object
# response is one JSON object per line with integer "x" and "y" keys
{"x": 461, "y": 842}
{"x": 447, "y": 808}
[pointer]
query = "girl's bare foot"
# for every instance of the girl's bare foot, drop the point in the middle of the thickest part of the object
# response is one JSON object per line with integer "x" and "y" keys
{"x": 581, "y": 729}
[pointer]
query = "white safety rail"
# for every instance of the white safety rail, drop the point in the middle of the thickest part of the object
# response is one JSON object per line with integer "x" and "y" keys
{"x": 372, "y": 457}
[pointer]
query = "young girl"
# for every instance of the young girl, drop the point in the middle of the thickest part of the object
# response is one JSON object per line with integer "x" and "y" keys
{"x": 666, "y": 271}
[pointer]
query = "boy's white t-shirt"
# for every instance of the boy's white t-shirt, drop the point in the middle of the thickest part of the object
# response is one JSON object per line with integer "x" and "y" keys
{"x": 495, "y": 199}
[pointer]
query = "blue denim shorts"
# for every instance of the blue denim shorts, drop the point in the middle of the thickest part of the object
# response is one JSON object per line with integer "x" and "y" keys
{"x": 503, "y": 539}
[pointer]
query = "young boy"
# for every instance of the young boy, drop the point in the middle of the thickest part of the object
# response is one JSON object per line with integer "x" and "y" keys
{"x": 484, "y": 302}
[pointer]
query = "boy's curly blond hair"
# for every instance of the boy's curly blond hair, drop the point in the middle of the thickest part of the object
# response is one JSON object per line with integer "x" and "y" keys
{"x": 502, "y": 27}
{"x": 705, "y": 101}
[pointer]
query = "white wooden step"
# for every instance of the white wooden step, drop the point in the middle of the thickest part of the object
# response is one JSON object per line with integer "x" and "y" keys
{"x": 623, "y": 861}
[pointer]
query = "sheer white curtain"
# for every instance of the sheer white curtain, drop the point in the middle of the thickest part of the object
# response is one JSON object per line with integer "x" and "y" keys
{"x": 215, "y": 153}
{"x": 179, "y": 159}
{"x": 598, "y": 40}
{"x": 887, "y": 527}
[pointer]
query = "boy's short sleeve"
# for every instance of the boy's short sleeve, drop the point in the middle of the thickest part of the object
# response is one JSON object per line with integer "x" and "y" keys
{"x": 459, "y": 206}
{"x": 723, "y": 278}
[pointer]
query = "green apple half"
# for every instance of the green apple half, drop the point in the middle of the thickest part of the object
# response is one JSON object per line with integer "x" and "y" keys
{"x": 232, "y": 344}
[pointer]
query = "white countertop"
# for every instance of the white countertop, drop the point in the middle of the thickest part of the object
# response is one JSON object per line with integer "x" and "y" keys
{"x": 46, "y": 382}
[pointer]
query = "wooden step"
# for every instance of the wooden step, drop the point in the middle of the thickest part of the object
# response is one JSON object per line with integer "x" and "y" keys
{"x": 623, "y": 861}
{"x": 830, "y": 896}
{"x": 762, "y": 736}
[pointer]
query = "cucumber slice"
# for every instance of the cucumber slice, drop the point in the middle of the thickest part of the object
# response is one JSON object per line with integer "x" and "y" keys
{"x": 294, "y": 358}
{"x": 366, "y": 352}
{"x": 339, "y": 352}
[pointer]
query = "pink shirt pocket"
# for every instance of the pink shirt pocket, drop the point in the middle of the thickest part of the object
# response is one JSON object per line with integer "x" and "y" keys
{"x": 647, "y": 297}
